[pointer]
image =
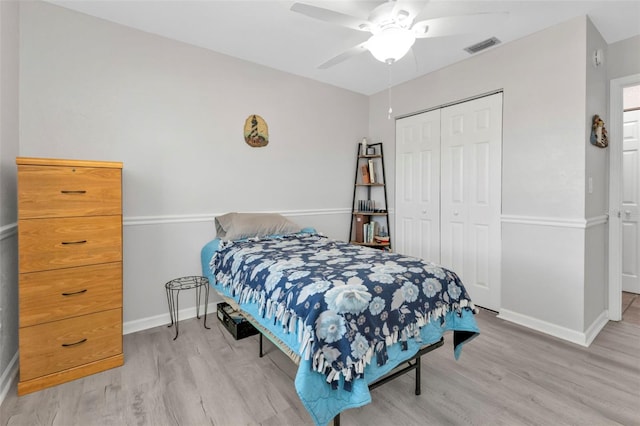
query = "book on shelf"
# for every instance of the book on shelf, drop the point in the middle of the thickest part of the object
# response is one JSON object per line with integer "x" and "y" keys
{"x": 360, "y": 218}
{"x": 365, "y": 173}
{"x": 369, "y": 231}
{"x": 372, "y": 174}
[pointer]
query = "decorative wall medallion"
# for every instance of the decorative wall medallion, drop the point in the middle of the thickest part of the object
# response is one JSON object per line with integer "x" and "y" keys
{"x": 256, "y": 132}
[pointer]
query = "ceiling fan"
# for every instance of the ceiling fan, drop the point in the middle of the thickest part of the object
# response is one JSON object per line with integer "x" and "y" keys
{"x": 392, "y": 27}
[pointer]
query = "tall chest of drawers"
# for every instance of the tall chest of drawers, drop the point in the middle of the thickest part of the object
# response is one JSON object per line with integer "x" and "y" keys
{"x": 70, "y": 269}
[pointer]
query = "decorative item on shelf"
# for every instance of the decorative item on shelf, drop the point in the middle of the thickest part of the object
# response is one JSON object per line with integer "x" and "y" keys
{"x": 256, "y": 131}
{"x": 598, "y": 133}
{"x": 371, "y": 150}
{"x": 368, "y": 206}
{"x": 380, "y": 239}
{"x": 363, "y": 144}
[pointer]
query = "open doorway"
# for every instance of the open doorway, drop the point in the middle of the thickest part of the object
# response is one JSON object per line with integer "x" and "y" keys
{"x": 630, "y": 215}
{"x": 624, "y": 194}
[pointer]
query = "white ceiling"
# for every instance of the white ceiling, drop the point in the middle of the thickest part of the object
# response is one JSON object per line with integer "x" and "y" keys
{"x": 267, "y": 32}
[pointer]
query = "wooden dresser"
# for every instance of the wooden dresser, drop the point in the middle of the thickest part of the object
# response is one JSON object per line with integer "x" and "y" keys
{"x": 70, "y": 265}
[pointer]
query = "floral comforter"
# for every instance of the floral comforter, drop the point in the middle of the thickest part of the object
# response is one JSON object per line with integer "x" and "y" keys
{"x": 348, "y": 304}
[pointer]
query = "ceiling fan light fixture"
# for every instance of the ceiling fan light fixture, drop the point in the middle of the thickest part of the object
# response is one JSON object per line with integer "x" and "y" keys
{"x": 391, "y": 44}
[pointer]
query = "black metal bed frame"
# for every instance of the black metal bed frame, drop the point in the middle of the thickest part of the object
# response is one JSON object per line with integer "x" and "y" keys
{"x": 412, "y": 364}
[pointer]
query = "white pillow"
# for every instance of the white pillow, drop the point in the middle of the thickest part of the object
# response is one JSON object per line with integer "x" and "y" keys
{"x": 234, "y": 226}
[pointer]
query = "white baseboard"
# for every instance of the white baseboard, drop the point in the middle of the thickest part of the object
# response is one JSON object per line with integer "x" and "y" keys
{"x": 8, "y": 375}
{"x": 596, "y": 327}
{"x": 573, "y": 336}
{"x": 9, "y": 230}
{"x": 164, "y": 319}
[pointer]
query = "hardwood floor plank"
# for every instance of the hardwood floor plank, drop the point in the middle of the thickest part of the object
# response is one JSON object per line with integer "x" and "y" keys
{"x": 509, "y": 375}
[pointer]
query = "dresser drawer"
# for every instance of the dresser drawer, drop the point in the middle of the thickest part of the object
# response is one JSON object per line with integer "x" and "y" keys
{"x": 59, "y": 345}
{"x": 60, "y": 191}
{"x": 62, "y": 243}
{"x": 64, "y": 293}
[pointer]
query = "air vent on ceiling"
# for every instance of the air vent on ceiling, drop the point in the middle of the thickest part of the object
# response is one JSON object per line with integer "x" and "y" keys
{"x": 485, "y": 44}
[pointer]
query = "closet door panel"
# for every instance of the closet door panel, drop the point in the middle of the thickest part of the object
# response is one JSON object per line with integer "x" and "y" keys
{"x": 418, "y": 186}
{"x": 471, "y": 195}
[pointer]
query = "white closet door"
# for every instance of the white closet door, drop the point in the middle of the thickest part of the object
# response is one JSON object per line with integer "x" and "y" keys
{"x": 630, "y": 202}
{"x": 418, "y": 186}
{"x": 471, "y": 143}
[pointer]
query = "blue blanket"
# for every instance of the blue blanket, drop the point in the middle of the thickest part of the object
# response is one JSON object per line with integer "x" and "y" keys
{"x": 351, "y": 312}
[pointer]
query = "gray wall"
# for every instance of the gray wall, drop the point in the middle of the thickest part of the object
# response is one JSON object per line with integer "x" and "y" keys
{"x": 8, "y": 151}
{"x": 544, "y": 206}
{"x": 174, "y": 115}
{"x": 622, "y": 58}
{"x": 597, "y": 170}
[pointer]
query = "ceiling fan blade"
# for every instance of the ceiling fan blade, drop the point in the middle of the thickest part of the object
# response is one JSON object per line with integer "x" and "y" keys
{"x": 354, "y": 51}
{"x": 456, "y": 25}
{"x": 331, "y": 16}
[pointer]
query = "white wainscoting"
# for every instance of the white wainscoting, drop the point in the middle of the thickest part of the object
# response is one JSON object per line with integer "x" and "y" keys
{"x": 160, "y": 248}
{"x": 7, "y": 377}
{"x": 544, "y": 275}
{"x": 555, "y": 221}
{"x": 10, "y": 371}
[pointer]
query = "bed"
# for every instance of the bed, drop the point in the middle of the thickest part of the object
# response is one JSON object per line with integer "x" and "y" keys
{"x": 346, "y": 314}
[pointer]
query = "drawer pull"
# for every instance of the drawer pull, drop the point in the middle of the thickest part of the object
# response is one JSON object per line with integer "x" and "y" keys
{"x": 74, "y": 292}
{"x": 74, "y": 242}
{"x": 66, "y": 345}
{"x": 73, "y": 192}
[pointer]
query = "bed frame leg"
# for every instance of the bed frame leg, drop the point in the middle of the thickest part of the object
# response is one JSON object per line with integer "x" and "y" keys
{"x": 260, "y": 353}
{"x": 418, "y": 375}
{"x": 336, "y": 420}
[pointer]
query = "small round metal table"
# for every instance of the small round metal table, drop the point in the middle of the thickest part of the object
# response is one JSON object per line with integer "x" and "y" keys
{"x": 174, "y": 287}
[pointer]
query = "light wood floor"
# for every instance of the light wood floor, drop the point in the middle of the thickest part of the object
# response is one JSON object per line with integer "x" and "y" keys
{"x": 509, "y": 375}
{"x": 631, "y": 308}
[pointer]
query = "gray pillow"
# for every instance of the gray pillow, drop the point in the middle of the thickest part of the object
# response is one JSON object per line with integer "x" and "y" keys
{"x": 234, "y": 226}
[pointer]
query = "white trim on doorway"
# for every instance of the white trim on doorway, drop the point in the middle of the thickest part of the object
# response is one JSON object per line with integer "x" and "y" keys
{"x": 615, "y": 192}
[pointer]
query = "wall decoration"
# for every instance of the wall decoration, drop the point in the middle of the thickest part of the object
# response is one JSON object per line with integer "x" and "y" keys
{"x": 599, "y": 133}
{"x": 256, "y": 131}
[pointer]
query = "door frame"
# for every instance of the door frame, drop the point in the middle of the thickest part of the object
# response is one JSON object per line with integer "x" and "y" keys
{"x": 615, "y": 192}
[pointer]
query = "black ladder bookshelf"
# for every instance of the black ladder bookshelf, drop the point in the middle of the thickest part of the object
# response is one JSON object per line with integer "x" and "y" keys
{"x": 369, "y": 210}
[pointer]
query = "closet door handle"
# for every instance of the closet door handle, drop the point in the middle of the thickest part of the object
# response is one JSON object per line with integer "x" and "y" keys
{"x": 73, "y": 192}
{"x": 67, "y": 345}
{"x": 74, "y": 292}
{"x": 74, "y": 242}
